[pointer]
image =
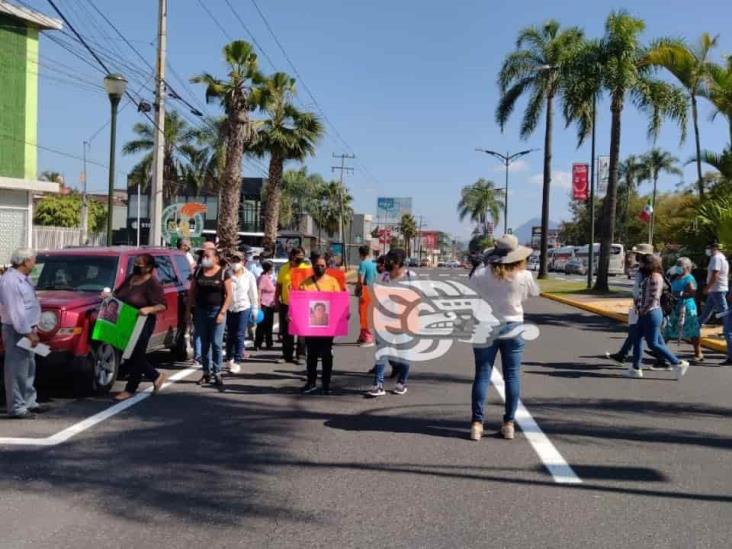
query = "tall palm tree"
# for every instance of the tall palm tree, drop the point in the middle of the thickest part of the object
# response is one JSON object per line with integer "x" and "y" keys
{"x": 481, "y": 202}
{"x": 286, "y": 134}
{"x": 691, "y": 66}
{"x": 234, "y": 95}
{"x": 631, "y": 172}
{"x": 409, "y": 231}
{"x": 616, "y": 64}
{"x": 657, "y": 161}
{"x": 51, "y": 176}
{"x": 536, "y": 69}
{"x": 207, "y": 158}
{"x": 719, "y": 92}
{"x": 177, "y": 151}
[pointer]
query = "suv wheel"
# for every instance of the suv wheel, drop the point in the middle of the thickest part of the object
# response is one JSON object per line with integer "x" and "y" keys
{"x": 97, "y": 372}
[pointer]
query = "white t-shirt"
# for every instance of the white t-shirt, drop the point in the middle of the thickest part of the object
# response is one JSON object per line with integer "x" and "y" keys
{"x": 718, "y": 263}
{"x": 504, "y": 296}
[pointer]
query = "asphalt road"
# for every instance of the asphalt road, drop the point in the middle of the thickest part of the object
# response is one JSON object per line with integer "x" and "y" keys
{"x": 263, "y": 466}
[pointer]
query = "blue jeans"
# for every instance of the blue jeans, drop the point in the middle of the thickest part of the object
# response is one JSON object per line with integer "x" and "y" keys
{"x": 212, "y": 339}
{"x": 628, "y": 343}
{"x": 236, "y": 333}
{"x": 401, "y": 365}
{"x": 485, "y": 357}
{"x": 649, "y": 328}
{"x": 716, "y": 303}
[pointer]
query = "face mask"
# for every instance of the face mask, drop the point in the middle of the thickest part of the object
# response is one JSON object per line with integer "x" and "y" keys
{"x": 237, "y": 267}
{"x": 708, "y": 252}
{"x": 138, "y": 270}
{"x": 677, "y": 270}
{"x": 207, "y": 262}
{"x": 319, "y": 271}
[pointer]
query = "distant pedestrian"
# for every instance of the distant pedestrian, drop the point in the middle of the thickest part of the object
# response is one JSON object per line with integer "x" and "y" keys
{"x": 253, "y": 263}
{"x": 505, "y": 284}
{"x": 290, "y": 352}
{"x": 683, "y": 322}
{"x": 20, "y": 313}
{"x": 142, "y": 291}
{"x": 650, "y": 316}
{"x": 395, "y": 270}
{"x": 244, "y": 305}
{"x": 717, "y": 284}
{"x": 211, "y": 293}
{"x": 266, "y": 286}
{"x": 319, "y": 347}
{"x": 184, "y": 245}
{"x": 366, "y": 277}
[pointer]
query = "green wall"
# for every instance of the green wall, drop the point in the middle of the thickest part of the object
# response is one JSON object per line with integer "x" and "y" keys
{"x": 18, "y": 98}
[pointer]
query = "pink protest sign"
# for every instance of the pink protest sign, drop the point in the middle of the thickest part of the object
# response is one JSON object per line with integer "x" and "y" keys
{"x": 318, "y": 313}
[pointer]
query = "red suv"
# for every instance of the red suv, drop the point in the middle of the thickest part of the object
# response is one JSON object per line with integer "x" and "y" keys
{"x": 69, "y": 283}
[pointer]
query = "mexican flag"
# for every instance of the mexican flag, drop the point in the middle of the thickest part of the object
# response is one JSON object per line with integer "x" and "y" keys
{"x": 119, "y": 325}
{"x": 646, "y": 212}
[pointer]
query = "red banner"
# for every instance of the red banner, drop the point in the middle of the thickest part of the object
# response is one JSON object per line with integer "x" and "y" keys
{"x": 579, "y": 181}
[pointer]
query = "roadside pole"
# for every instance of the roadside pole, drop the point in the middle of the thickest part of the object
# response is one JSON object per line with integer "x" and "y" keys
{"x": 156, "y": 194}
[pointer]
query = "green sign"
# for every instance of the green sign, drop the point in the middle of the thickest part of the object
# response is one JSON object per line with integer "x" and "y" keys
{"x": 116, "y": 325}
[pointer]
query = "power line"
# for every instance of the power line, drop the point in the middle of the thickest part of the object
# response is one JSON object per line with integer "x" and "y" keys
{"x": 251, "y": 35}
{"x": 216, "y": 21}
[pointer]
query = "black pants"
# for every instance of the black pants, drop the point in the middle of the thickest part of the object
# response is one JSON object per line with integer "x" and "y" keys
{"x": 320, "y": 348}
{"x": 264, "y": 329}
{"x": 137, "y": 363}
{"x": 288, "y": 341}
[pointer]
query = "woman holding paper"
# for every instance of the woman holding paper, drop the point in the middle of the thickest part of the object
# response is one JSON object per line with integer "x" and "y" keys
{"x": 319, "y": 347}
{"x": 142, "y": 291}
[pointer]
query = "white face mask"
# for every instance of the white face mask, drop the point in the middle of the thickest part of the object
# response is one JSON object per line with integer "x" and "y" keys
{"x": 207, "y": 262}
{"x": 708, "y": 252}
{"x": 237, "y": 267}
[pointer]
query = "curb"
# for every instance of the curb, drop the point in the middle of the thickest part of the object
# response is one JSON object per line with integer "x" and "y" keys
{"x": 621, "y": 317}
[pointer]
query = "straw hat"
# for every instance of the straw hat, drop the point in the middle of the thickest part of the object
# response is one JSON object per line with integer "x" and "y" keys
{"x": 643, "y": 249}
{"x": 507, "y": 250}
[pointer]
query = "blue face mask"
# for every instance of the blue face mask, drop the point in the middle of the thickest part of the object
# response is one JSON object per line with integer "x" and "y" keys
{"x": 677, "y": 270}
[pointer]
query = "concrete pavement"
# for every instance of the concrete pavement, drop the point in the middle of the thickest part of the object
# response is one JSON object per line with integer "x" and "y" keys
{"x": 262, "y": 466}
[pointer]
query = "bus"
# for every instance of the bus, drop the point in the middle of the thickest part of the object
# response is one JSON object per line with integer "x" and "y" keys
{"x": 617, "y": 257}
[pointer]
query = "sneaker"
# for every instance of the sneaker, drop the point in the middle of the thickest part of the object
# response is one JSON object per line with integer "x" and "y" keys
{"x": 617, "y": 358}
{"x": 633, "y": 373}
{"x": 726, "y": 362}
{"x": 40, "y": 409}
{"x": 27, "y": 414}
{"x": 309, "y": 388}
{"x": 235, "y": 368}
{"x": 660, "y": 366}
{"x": 376, "y": 391}
{"x": 367, "y": 344}
{"x": 205, "y": 380}
{"x": 476, "y": 430}
{"x": 400, "y": 389}
{"x": 507, "y": 430}
{"x": 218, "y": 382}
{"x": 680, "y": 369}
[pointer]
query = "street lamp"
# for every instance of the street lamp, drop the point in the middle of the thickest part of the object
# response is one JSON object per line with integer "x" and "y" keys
{"x": 115, "y": 84}
{"x": 507, "y": 160}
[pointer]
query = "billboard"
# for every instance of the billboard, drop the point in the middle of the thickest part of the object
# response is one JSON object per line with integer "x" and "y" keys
{"x": 579, "y": 181}
{"x": 390, "y": 209}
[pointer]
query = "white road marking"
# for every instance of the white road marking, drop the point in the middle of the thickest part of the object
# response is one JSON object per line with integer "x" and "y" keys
{"x": 547, "y": 452}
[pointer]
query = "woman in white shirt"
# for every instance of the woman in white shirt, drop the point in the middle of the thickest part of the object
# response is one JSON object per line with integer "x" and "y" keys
{"x": 245, "y": 302}
{"x": 504, "y": 283}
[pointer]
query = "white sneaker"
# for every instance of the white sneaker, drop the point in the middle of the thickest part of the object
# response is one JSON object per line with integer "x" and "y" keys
{"x": 235, "y": 367}
{"x": 680, "y": 369}
{"x": 633, "y": 373}
{"x": 376, "y": 391}
{"x": 367, "y": 344}
{"x": 400, "y": 389}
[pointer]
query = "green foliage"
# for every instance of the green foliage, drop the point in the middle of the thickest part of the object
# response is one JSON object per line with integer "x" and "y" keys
{"x": 480, "y": 202}
{"x": 65, "y": 211}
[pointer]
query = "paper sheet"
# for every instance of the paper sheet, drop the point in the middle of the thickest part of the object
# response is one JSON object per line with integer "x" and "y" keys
{"x": 41, "y": 349}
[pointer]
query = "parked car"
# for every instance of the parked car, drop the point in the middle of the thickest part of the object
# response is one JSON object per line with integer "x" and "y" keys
{"x": 452, "y": 264}
{"x": 442, "y": 264}
{"x": 69, "y": 283}
{"x": 575, "y": 266}
{"x": 424, "y": 263}
{"x": 413, "y": 262}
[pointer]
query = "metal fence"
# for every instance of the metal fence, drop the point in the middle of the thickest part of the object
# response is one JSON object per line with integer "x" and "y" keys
{"x": 54, "y": 238}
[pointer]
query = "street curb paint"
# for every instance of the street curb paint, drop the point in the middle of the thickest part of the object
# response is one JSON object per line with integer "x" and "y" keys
{"x": 707, "y": 342}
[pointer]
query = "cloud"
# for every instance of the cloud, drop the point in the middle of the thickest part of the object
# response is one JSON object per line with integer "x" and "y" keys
{"x": 514, "y": 167}
{"x": 560, "y": 179}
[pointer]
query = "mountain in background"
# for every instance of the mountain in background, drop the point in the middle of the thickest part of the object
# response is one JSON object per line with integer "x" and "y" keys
{"x": 523, "y": 233}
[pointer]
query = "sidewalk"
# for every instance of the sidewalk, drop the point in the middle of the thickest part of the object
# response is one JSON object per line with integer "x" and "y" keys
{"x": 617, "y": 309}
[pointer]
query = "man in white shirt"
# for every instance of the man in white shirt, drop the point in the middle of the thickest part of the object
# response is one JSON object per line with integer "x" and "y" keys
{"x": 717, "y": 283}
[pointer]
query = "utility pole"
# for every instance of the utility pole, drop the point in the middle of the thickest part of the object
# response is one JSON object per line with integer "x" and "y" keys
{"x": 156, "y": 194}
{"x": 343, "y": 169}
{"x": 84, "y": 201}
{"x": 419, "y": 233}
{"x": 591, "y": 249}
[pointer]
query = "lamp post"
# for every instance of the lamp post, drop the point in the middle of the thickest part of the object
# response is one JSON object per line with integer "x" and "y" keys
{"x": 115, "y": 84}
{"x": 507, "y": 160}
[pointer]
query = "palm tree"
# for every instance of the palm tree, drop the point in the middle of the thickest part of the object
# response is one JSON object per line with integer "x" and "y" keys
{"x": 286, "y": 134}
{"x": 207, "y": 159}
{"x": 178, "y": 149}
{"x": 234, "y": 95}
{"x": 299, "y": 189}
{"x": 409, "y": 230}
{"x": 719, "y": 92}
{"x": 616, "y": 64}
{"x": 631, "y": 172}
{"x": 537, "y": 70}
{"x": 481, "y": 202}
{"x": 658, "y": 161}
{"x": 51, "y": 176}
{"x": 691, "y": 67}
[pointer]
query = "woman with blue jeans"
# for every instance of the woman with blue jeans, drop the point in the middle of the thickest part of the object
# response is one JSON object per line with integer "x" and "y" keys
{"x": 211, "y": 293}
{"x": 504, "y": 283}
{"x": 244, "y": 305}
{"x": 650, "y": 317}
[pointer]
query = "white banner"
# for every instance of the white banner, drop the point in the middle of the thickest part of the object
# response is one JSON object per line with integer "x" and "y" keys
{"x": 603, "y": 176}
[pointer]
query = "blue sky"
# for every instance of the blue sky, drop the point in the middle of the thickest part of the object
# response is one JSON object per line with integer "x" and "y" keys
{"x": 409, "y": 85}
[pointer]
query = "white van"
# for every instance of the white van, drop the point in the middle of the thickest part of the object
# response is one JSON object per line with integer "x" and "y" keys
{"x": 617, "y": 257}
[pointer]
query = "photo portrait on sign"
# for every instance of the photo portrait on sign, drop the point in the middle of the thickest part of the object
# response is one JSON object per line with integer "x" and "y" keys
{"x": 109, "y": 311}
{"x": 319, "y": 313}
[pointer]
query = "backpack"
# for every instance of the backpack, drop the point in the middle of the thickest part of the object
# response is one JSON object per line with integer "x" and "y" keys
{"x": 668, "y": 299}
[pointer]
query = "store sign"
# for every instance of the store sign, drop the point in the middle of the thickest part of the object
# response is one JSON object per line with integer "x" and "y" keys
{"x": 579, "y": 181}
{"x": 184, "y": 220}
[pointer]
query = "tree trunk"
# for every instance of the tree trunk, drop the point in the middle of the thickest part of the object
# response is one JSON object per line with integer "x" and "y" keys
{"x": 547, "y": 188}
{"x": 609, "y": 204}
{"x": 652, "y": 224}
{"x": 694, "y": 115}
{"x": 272, "y": 202}
{"x": 228, "y": 225}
